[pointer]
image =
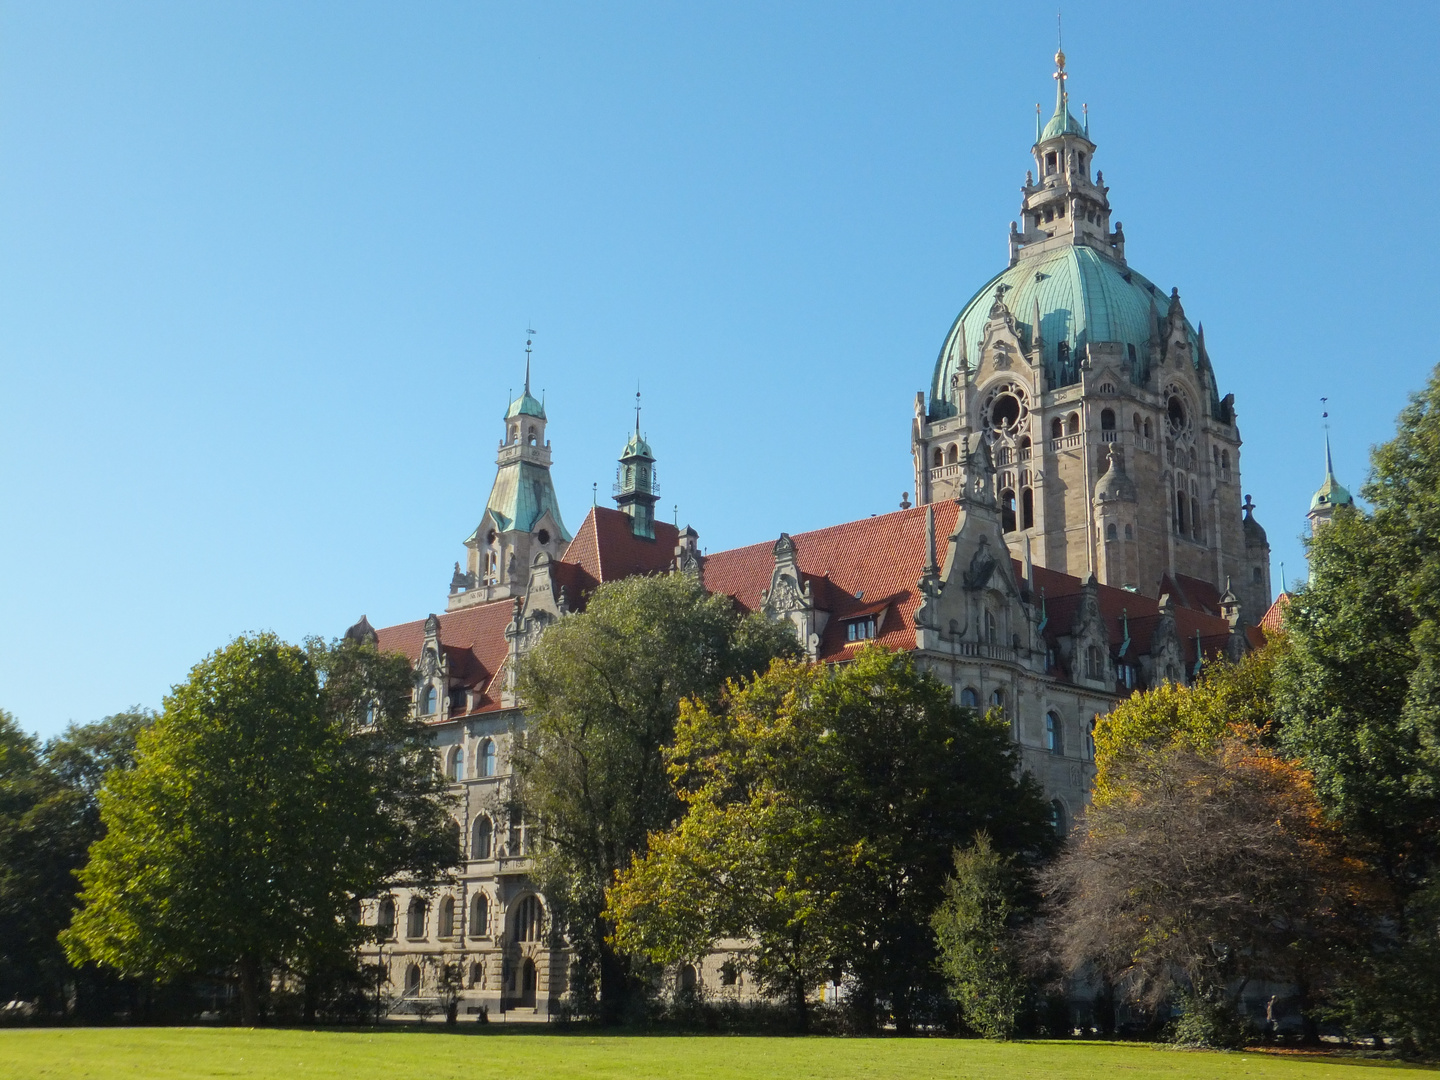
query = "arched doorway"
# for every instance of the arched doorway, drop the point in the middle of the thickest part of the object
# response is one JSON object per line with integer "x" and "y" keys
{"x": 527, "y": 984}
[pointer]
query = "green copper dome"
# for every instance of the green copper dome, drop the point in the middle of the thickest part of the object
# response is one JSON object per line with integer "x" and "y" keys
{"x": 636, "y": 446}
{"x": 525, "y": 405}
{"x": 1083, "y": 297}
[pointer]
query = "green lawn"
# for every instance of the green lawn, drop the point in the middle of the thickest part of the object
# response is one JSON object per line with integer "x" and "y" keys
{"x": 121, "y": 1053}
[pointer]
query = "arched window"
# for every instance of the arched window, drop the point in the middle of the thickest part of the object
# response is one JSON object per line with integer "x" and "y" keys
{"x": 1090, "y": 737}
{"x": 1137, "y": 423}
{"x": 970, "y": 698}
{"x": 1129, "y": 532}
{"x": 997, "y": 699}
{"x": 1215, "y": 450}
{"x": 1107, "y": 419}
{"x": 1057, "y": 817}
{"x": 990, "y": 630}
{"x": 1147, "y": 427}
{"x": 1062, "y": 353}
{"x": 1197, "y": 523}
{"x": 939, "y": 457}
{"x": 427, "y": 701}
{"x": 482, "y": 837}
{"x": 1180, "y": 513}
{"x": 1053, "y": 741}
{"x": 455, "y": 769}
{"x": 1057, "y": 428}
{"x": 530, "y": 435}
{"x": 479, "y": 915}
{"x": 1225, "y": 461}
{"x": 688, "y": 978}
{"x": 415, "y": 920}
{"x": 1072, "y": 424}
{"x": 446, "y": 926}
{"x": 529, "y": 919}
{"x": 485, "y": 758}
{"x": 412, "y": 980}
{"x": 1110, "y": 531}
{"x": 1007, "y": 510}
{"x": 514, "y": 433}
{"x": 952, "y": 454}
{"x": 386, "y": 919}
{"x": 1094, "y": 662}
{"x": 1050, "y": 163}
{"x": 1130, "y": 351}
{"x": 1256, "y": 576}
{"x": 1027, "y": 509}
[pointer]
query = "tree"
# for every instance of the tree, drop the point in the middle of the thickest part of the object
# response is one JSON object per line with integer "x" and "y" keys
{"x": 823, "y": 804}
{"x": 1205, "y": 855}
{"x": 242, "y": 838}
{"x": 1358, "y": 703}
{"x": 976, "y": 929}
{"x": 48, "y": 819}
{"x": 602, "y": 690}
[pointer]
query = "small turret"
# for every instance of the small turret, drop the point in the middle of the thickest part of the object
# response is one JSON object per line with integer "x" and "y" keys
{"x": 1329, "y": 496}
{"x": 636, "y": 491}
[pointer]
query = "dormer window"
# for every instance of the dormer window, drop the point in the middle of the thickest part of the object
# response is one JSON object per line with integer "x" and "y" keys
{"x": 860, "y": 629}
{"x": 427, "y": 701}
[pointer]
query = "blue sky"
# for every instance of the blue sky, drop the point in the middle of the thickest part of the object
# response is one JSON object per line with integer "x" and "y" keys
{"x": 266, "y": 271}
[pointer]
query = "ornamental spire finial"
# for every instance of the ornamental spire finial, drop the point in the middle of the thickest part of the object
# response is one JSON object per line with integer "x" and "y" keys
{"x": 529, "y": 340}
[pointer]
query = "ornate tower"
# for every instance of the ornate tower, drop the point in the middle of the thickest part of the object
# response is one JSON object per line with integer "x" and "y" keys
{"x": 636, "y": 490}
{"x": 522, "y": 514}
{"x": 1329, "y": 496}
{"x": 1072, "y": 366}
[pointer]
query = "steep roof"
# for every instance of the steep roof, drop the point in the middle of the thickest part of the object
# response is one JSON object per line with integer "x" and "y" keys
{"x": 605, "y": 549}
{"x": 474, "y": 643}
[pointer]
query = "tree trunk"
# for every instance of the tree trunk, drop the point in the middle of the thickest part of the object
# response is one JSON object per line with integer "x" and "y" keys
{"x": 312, "y": 995}
{"x": 800, "y": 1004}
{"x": 614, "y": 986}
{"x": 249, "y": 991}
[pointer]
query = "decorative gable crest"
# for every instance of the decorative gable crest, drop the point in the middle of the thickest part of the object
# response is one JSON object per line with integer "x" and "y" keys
{"x": 791, "y": 600}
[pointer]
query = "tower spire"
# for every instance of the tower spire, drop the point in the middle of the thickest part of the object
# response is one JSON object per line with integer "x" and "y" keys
{"x": 529, "y": 340}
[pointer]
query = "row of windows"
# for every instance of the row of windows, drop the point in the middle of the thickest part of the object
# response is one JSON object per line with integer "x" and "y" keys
{"x": 484, "y": 761}
{"x": 860, "y": 629}
{"x": 528, "y": 923}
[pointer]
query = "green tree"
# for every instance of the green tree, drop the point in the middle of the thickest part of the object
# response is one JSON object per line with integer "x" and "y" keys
{"x": 977, "y": 929}
{"x": 824, "y": 804}
{"x": 1358, "y": 700}
{"x": 49, "y": 816}
{"x": 240, "y": 841}
{"x": 601, "y": 691}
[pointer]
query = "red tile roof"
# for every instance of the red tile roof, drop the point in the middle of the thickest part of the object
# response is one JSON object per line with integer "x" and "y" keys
{"x": 474, "y": 644}
{"x": 605, "y": 549}
{"x": 1274, "y": 620}
{"x": 865, "y": 567}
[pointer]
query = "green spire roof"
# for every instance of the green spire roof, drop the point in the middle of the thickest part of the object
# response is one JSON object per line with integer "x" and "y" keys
{"x": 636, "y": 446}
{"x": 1063, "y": 122}
{"x": 1331, "y": 492}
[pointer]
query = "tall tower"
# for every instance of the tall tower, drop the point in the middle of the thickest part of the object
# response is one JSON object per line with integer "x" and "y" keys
{"x": 636, "y": 490}
{"x": 522, "y": 514}
{"x": 1329, "y": 496}
{"x": 1071, "y": 365}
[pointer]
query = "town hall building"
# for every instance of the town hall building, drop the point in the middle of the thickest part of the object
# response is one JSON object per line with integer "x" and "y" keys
{"x": 1078, "y": 532}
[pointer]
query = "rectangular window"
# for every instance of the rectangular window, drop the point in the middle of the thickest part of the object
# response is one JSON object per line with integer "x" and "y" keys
{"x": 860, "y": 629}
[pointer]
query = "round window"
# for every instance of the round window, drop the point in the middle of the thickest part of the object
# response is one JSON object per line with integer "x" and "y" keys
{"x": 543, "y": 536}
{"x": 490, "y": 537}
{"x": 1005, "y": 411}
{"x": 1175, "y": 414}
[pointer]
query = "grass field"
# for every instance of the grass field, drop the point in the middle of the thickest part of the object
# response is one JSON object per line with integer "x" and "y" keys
{"x": 163, "y": 1053}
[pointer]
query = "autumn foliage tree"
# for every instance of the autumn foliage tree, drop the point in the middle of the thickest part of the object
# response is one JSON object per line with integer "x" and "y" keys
{"x": 1206, "y": 860}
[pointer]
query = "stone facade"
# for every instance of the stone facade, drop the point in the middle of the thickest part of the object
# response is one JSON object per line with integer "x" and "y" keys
{"x": 1079, "y": 534}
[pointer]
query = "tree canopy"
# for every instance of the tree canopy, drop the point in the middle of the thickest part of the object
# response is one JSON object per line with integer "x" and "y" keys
{"x": 822, "y": 806}
{"x": 601, "y": 691}
{"x": 244, "y": 834}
